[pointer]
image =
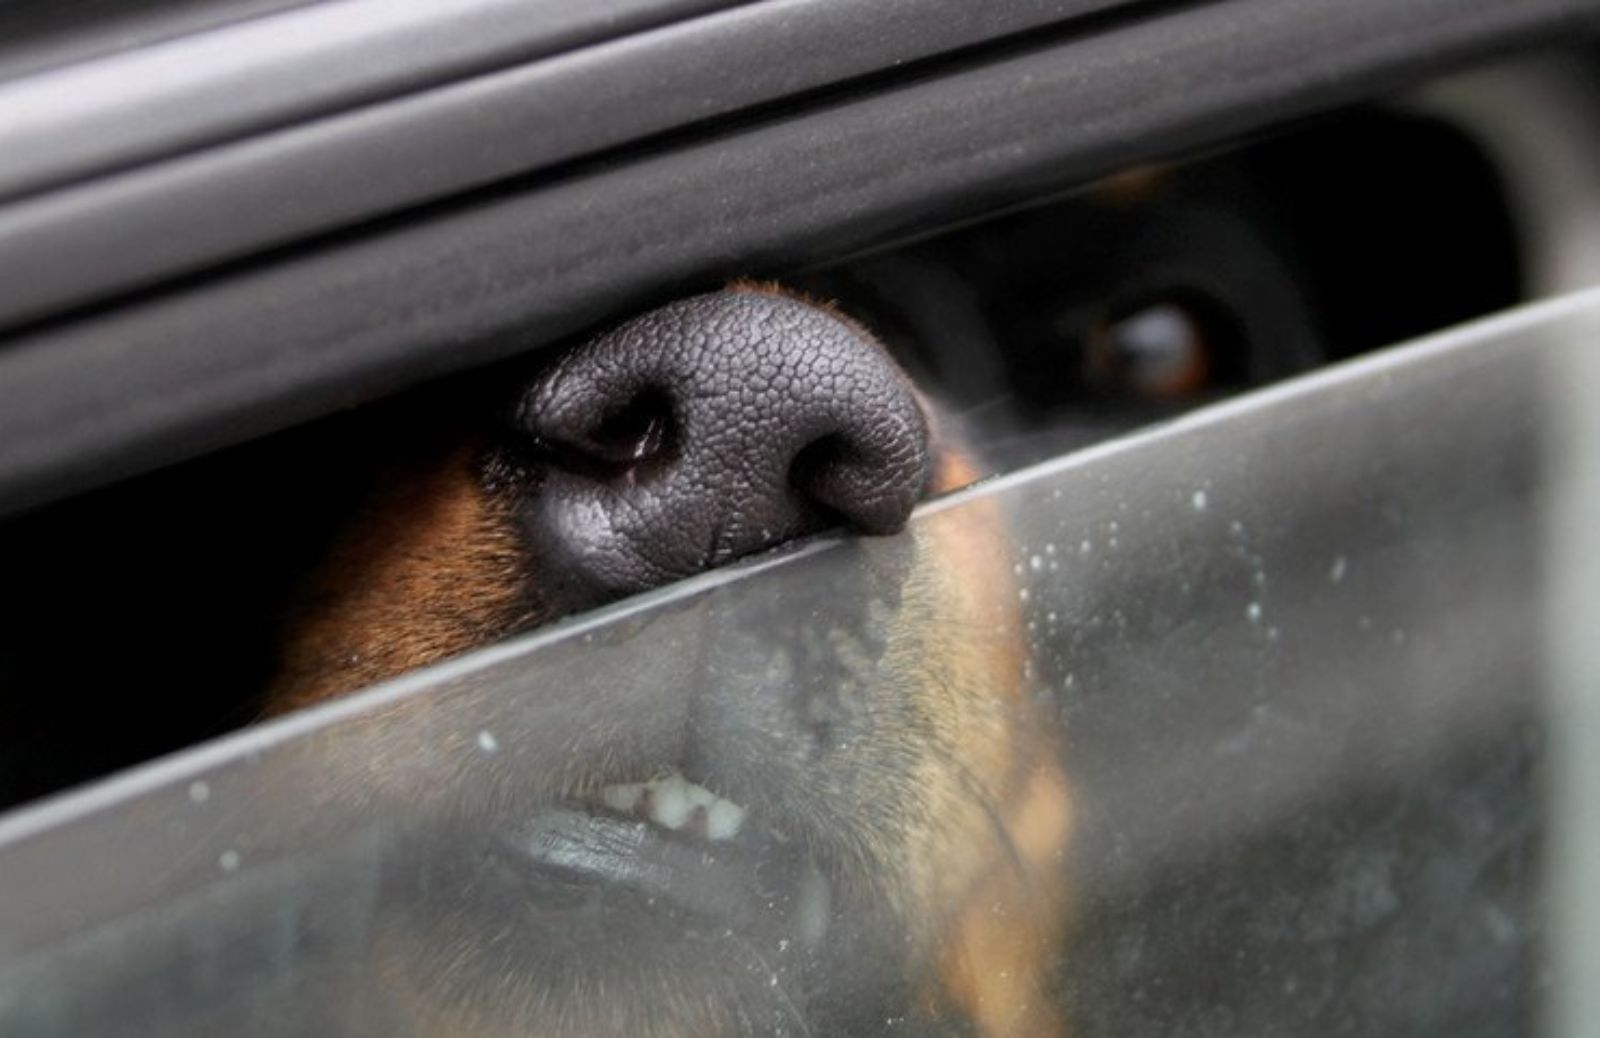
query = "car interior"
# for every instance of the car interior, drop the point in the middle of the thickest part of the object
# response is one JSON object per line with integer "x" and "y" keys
{"x": 1044, "y": 329}
{"x": 1070, "y": 223}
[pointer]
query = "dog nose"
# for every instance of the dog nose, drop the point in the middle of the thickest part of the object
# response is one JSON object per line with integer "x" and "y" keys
{"x": 711, "y": 428}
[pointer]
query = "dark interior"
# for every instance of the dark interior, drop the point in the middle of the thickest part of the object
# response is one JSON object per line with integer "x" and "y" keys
{"x": 141, "y": 618}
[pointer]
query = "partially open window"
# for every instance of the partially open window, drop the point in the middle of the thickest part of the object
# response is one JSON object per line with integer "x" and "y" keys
{"x": 1211, "y": 703}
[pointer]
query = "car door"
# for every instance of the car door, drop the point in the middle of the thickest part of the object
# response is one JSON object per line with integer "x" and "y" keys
{"x": 1305, "y": 667}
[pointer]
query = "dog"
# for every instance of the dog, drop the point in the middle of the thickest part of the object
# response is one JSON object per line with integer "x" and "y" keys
{"x": 875, "y": 833}
{"x": 904, "y": 857}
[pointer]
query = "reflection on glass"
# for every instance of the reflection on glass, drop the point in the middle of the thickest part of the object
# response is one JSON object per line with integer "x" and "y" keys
{"x": 1232, "y": 727}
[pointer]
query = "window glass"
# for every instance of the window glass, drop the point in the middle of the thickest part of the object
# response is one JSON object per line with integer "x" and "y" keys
{"x": 1240, "y": 725}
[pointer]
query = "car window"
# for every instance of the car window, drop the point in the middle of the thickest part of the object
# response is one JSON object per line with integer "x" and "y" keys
{"x": 1046, "y": 330}
{"x": 1272, "y": 719}
{"x": 1234, "y": 675}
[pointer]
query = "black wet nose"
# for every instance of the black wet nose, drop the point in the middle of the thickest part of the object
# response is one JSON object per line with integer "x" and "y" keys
{"x": 711, "y": 428}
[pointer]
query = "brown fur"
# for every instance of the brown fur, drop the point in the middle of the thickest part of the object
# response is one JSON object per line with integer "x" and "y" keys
{"x": 430, "y": 569}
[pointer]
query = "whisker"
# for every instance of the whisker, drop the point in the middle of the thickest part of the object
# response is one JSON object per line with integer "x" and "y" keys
{"x": 982, "y": 406}
{"x": 969, "y": 784}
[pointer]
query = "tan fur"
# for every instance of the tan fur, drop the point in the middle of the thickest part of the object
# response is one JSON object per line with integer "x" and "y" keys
{"x": 430, "y": 569}
{"x": 995, "y": 953}
{"x": 433, "y": 568}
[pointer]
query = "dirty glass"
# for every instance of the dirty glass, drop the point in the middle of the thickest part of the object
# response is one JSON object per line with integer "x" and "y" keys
{"x": 1272, "y": 720}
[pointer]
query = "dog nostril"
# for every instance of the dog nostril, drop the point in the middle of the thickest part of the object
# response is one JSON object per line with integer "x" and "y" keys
{"x": 834, "y": 475}
{"x": 639, "y": 434}
{"x": 811, "y": 473}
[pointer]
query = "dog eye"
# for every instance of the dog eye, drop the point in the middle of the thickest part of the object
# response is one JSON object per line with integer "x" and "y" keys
{"x": 1167, "y": 349}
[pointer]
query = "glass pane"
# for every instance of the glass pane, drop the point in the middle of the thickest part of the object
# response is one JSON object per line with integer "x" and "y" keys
{"x": 1239, "y": 726}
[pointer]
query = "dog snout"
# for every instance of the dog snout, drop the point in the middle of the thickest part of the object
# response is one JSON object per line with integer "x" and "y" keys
{"x": 709, "y": 429}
